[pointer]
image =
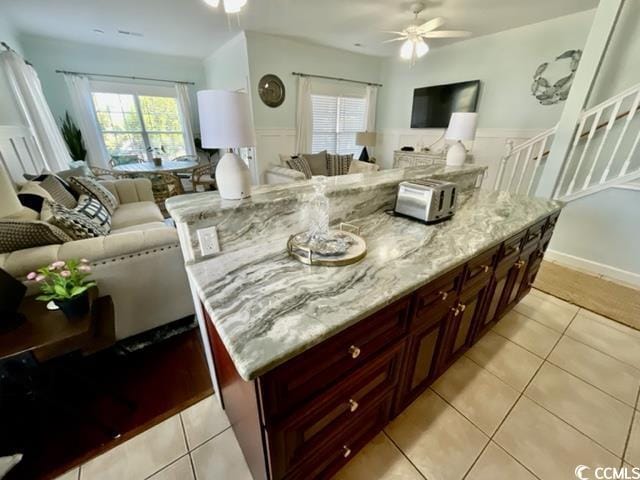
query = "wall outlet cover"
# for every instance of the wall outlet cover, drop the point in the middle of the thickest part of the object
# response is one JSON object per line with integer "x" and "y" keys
{"x": 208, "y": 239}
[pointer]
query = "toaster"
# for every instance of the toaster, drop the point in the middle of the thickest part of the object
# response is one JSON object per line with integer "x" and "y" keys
{"x": 429, "y": 201}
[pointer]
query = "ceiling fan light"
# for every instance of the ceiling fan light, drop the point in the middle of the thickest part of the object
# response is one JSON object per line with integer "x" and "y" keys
{"x": 234, "y": 6}
{"x": 212, "y": 3}
{"x": 421, "y": 48}
{"x": 406, "y": 51}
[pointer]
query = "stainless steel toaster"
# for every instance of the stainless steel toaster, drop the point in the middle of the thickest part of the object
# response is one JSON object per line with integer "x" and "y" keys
{"x": 426, "y": 200}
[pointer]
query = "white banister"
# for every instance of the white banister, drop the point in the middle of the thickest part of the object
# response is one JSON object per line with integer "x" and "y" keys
{"x": 631, "y": 114}
{"x": 612, "y": 118}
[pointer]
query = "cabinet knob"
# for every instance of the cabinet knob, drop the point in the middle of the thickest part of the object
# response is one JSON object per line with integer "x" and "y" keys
{"x": 519, "y": 264}
{"x": 443, "y": 294}
{"x": 456, "y": 311}
{"x": 462, "y": 307}
{"x": 346, "y": 451}
{"x": 354, "y": 351}
{"x": 353, "y": 405}
{"x": 540, "y": 253}
{"x": 485, "y": 268}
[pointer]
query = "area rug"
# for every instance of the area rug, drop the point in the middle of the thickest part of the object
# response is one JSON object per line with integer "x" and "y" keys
{"x": 604, "y": 297}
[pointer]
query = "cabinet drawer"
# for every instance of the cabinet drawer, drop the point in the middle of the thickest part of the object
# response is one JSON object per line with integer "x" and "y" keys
{"x": 308, "y": 429}
{"x": 303, "y": 377}
{"x": 480, "y": 268}
{"x": 534, "y": 234}
{"x": 341, "y": 448}
{"x": 437, "y": 296}
{"x": 510, "y": 249}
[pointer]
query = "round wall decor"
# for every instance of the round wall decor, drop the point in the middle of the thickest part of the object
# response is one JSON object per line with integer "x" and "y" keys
{"x": 548, "y": 93}
{"x": 271, "y": 90}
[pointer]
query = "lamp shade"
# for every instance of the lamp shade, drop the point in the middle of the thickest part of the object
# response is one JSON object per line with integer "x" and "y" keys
{"x": 225, "y": 119}
{"x": 462, "y": 126}
{"x": 366, "y": 139}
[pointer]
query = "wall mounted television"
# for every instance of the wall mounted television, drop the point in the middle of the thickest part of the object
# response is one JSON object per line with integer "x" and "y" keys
{"x": 433, "y": 106}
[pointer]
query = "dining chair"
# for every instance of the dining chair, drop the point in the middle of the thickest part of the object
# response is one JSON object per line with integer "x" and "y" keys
{"x": 203, "y": 175}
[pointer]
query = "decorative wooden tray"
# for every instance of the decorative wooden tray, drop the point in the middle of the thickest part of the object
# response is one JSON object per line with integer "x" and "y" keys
{"x": 355, "y": 252}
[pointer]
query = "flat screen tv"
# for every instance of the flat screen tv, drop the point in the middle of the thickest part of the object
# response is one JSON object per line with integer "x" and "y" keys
{"x": 433, "y": 106}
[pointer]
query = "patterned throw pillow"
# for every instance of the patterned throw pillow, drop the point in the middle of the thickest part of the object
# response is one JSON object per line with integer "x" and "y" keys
{"x": 338, "y": 164}
{"x": 54, "y": 186}
{"x": 93, "y": 209}
{"x": 20, "y": 234}
{"x": 75, "y": 224}
{"x": 32, "y": 195}
{"x": 301, "y": 165}
{"x": 92, "y": 187}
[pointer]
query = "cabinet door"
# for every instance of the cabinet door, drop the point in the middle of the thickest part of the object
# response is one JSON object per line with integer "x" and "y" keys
{"x": 464, "y": 318}
{"x": 519, "y": 275}
{"x": 495, "y": 299}
{"x": 425, "y": 348}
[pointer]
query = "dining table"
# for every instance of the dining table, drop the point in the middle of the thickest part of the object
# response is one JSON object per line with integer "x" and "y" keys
{"x": 149, "y": 168}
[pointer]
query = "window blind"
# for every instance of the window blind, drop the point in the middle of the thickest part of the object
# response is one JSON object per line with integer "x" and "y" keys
{"x": 336, "y": 120}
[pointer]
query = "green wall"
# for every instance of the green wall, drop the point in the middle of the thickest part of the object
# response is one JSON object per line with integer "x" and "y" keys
{"x": 49, "y": 55}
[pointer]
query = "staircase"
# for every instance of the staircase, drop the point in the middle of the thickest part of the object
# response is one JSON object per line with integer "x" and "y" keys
{"x": 604, "y": 152}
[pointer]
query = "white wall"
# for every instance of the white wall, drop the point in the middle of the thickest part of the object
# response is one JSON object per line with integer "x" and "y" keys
{"x": 9, "y": 113}
{"x": 228, "y": 67}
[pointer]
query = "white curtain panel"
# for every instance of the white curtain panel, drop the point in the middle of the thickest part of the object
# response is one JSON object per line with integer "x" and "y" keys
{"x": 35, "y": 110}
{"x": 304, "y": 117}
{"x": 184, "y": 107}
{"x": 84, "y": 114}
{"x": 371, "y": 97}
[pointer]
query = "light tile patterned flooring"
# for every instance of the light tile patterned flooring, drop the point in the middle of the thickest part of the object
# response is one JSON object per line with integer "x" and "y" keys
{"x": 551, "y": 387}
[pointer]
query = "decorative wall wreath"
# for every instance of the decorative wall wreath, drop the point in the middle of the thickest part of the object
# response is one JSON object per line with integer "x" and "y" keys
{"x": 550, "y": 94}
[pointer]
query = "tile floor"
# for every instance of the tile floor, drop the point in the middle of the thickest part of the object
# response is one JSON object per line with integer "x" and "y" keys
{"x": 551, "y": 387}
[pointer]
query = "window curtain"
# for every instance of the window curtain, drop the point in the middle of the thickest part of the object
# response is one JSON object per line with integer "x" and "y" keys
{"x": 35, "y": 110}
{"x": 371, "y": 97}
{"x": 184, "y": 107}
{"x": 304, "y": 117}
{"x": 84, "y": 114}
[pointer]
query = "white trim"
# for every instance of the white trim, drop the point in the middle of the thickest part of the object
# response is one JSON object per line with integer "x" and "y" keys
{"x": 629, "y": 186}
{"x": 593, "y": 267}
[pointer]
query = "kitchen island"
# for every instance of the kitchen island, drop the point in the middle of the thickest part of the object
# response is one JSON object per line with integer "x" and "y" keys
{"x": 312, "y": 362}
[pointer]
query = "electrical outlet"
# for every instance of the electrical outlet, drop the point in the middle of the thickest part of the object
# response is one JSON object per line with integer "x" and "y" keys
{"x": 208, "y": 238}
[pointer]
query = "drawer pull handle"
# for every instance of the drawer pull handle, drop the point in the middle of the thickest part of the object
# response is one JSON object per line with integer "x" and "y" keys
{"x": 354, "y": 351}
{"x": 456, "y": 311}
{"x": 346, "y": 451}
{"x": 462, "y": 307}
{"x": 353, "y": 405}
{"x": 540, "y": 253}
{"x": 485, "y": 268}
{"x": 519, "y": 264}
{"x": 443, "y": 294}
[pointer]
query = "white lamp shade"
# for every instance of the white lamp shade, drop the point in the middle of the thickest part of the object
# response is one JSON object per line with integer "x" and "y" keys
{"x": 462, "y": 126}
{"x": 225, "y": 119}
{"x": 366, "y": 139}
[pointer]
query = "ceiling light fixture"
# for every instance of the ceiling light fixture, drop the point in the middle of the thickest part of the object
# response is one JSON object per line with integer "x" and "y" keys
{"x": 414, "y": 48}
{"x": 230, "y": 6}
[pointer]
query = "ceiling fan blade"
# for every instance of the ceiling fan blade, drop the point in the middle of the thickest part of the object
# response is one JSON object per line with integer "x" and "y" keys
{"x": 446, "y": 34}
{"x": 394, "y": 32}
{"x": 431, "y": 25}
{"x": 395, "y": 40}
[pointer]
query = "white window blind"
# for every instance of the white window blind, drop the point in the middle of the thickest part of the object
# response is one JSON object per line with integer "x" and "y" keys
{"x": 336, "y": 120}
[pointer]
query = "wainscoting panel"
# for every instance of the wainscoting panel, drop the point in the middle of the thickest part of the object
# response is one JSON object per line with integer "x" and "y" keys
{"x": 19, "y": 152}
{"x": 270, "y": 143}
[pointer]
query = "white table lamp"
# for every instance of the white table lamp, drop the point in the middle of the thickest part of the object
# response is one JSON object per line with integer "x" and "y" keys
{"x": 462, "y": 126}
{"x": 366, "y": 139}
{"x": 225, "y": 122}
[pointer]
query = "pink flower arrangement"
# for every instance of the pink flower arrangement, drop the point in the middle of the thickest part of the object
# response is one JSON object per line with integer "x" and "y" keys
{"x": 62, "y": 280}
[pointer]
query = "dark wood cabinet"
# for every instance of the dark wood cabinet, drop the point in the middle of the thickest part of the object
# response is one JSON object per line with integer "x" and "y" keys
{"x": 307, "y": 417}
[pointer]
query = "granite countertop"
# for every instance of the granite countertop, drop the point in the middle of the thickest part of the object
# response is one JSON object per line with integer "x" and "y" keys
{"x": 268, "y": 307}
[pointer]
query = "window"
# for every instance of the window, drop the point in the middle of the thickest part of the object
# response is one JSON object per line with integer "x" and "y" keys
{"x": 133, "y": 122}
{"x": 336, "y": 120}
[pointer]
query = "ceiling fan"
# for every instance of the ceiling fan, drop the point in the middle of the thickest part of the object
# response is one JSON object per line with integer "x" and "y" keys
{"x": 414, "y": 36}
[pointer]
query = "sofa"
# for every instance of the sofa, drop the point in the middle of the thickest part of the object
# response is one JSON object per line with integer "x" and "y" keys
{"x": 139, "y": 263}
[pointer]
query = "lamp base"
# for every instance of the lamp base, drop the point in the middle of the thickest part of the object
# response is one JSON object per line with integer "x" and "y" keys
{"x": 233, "y": 177}
{"x": 364, "y": 155}
{"x": 456, "y": 155}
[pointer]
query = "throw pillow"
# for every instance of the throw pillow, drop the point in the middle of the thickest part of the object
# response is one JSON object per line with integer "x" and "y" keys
{"x": 58, "y": 192}
{"x": 32, "y": 195}
{"x": 75, "y": 224}
{"x": 93, "y": 188}
{"x": 338, "y": 164}
{"x": 301, "y": 165}
{"x": 93, "y": 209}
{"x": 45, "y": 174}
{"x": 20, "y": 234}
{"x": 317, "y": 162}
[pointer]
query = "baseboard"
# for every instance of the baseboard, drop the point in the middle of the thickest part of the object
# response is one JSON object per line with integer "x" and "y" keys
{"x": 593, "y": 267}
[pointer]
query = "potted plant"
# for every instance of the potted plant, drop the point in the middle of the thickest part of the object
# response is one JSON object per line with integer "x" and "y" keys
{"x": 66, "y": 284}
{"x": 73, "y": 138}
{"x": 156, "y": 154}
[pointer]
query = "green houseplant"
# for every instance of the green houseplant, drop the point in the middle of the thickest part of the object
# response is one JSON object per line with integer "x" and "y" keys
{"x": 73, "y": 138}
{"x": 66, "y": 284}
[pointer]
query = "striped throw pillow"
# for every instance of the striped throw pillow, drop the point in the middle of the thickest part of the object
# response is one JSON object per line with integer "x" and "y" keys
{"x": 300, "y": 164}
{"x": 74, "y": 223}
{"x": 338, "y": 164}
{"x": 90, "y": 186}
{"x": 93, "y": 209}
